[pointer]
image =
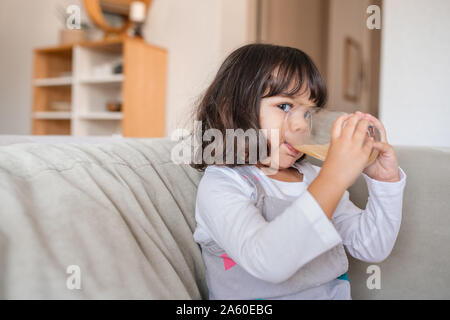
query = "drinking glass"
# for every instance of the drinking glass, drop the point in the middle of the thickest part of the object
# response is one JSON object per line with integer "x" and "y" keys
{"x": 308, "y": 130}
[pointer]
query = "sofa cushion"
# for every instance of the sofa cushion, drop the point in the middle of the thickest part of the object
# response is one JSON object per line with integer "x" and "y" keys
{"x": 120, "y": 212}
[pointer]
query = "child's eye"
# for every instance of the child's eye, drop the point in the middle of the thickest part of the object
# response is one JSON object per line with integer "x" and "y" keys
{"x": 285, "y": 107}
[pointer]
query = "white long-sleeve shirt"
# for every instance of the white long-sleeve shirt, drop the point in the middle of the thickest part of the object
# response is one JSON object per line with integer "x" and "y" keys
{"x": 225, "y": 212}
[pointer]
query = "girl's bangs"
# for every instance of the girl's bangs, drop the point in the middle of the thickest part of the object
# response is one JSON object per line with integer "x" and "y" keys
{"x": 288, "y": 79}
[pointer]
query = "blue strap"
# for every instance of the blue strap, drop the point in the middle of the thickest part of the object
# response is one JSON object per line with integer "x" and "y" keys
{"x": 343, "y": 277}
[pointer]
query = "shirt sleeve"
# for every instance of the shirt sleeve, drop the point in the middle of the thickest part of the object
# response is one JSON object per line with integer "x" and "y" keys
{"x": 370, "y": 234}
{"x": 267, "y": 250}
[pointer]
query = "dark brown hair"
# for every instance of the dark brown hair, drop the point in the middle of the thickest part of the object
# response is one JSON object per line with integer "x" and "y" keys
{"x": 246, "y": 76}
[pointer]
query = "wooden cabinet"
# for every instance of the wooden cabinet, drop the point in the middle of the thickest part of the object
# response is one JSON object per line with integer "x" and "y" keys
{"x": 72, "y": 86}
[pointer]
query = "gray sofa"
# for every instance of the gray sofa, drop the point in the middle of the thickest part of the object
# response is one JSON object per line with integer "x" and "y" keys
{"x": 112, "y": 218}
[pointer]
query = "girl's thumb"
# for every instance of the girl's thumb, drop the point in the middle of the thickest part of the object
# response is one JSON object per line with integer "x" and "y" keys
{"x": 380, "y": 146}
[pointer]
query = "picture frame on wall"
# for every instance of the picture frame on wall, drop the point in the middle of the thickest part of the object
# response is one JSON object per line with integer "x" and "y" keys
{"x": 353, "y": 70}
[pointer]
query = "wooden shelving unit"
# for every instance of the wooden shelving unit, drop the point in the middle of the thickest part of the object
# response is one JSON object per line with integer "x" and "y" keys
{"x": 69, "y": 98}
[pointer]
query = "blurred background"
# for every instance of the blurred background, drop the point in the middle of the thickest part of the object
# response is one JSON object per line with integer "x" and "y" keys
{"x": 111, "y": 67}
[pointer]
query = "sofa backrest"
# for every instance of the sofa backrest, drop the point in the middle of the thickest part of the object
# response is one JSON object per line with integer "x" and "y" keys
{"x": 419, "y": 264}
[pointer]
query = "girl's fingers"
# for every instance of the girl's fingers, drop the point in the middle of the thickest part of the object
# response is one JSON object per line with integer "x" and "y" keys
{"x": 382, "y": 146}
{"x": 336, "y": 129}
{"x": 361, "y": 131}
{"x": 350, "y": 125}
{"x": 368, "y": 145}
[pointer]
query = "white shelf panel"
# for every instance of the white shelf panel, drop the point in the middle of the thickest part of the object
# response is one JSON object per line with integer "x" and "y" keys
{"x": 115, "y": 78}
{"x": 101, "y": 116}
{"x": 60, "y": 81}
{"x": 52, "y": 115}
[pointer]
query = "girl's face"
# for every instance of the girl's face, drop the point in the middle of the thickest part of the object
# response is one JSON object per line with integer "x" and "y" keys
{"x": 272, "y": 115}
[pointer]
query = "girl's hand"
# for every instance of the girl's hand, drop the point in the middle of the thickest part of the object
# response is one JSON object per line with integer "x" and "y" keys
{"x": 348, "y": 152}
{"x": 347, "y": 156}
{"x": 385, "y": 166}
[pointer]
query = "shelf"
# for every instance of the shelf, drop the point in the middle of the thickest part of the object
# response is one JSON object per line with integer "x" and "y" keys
{"x": 106, "y": 115}
{"x": 114, "y": 78}
{"x": 63, "y": 115}
{"x": 81, "y": 76}
{"x": 60, "y": 81}
{"x": 51, "y": 126}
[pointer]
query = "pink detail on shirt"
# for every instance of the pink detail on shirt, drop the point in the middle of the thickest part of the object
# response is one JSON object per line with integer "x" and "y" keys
{"x": 256, "y": 177}
{"x": 227, "y": 261}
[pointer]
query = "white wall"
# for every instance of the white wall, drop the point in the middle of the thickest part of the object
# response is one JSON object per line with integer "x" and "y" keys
{"x": 198, "y": 35}
{"x": 415, "y": 73}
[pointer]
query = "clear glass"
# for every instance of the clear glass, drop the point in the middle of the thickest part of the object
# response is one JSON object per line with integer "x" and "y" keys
{"x": 308, "y": 129}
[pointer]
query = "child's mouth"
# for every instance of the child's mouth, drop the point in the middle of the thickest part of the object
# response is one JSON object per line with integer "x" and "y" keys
{"x": 293, "y": 152}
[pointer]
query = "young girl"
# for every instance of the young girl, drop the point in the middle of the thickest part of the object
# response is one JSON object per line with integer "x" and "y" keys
{"x": 282, "y": 236}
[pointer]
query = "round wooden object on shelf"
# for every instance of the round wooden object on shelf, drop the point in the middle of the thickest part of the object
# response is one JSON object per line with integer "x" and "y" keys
{"x": 95, "y": 9}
